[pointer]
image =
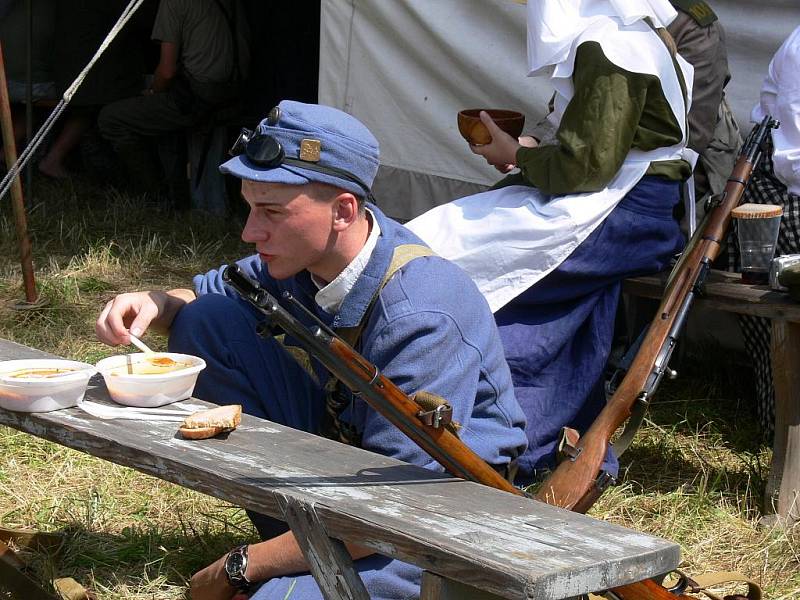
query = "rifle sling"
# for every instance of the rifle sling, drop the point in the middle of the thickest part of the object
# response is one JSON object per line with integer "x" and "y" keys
{"x": 639, "y": 409}
{"x": 700, "y": 583}
{"x": 631, "y": 427}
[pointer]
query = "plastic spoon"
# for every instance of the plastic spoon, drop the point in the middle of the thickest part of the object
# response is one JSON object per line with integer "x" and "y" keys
{"x": 140, "y": 344}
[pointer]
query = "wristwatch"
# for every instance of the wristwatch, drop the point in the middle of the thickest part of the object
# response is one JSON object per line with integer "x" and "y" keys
{"x": 235, "y": 567}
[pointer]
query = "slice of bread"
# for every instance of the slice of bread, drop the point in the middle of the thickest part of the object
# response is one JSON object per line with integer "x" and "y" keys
{"x": 208, "y": 423}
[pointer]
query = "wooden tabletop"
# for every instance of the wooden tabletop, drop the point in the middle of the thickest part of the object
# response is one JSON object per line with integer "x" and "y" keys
{"x": 508, "y": 545}
{"x": 725, "y": 291}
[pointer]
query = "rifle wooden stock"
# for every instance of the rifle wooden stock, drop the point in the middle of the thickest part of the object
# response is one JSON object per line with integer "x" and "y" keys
{"x": 573, "y": 484}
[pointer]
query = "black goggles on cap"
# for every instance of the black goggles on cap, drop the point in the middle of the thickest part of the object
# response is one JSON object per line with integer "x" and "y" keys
{"x": 265, "y": 151}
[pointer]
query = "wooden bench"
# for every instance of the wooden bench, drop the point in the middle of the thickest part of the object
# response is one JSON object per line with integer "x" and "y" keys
{"x": 725, "y": 291}
{"x": 473, "y": 541}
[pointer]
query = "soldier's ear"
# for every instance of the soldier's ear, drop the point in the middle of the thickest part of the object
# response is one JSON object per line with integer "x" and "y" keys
{"x": 346, "y": 211}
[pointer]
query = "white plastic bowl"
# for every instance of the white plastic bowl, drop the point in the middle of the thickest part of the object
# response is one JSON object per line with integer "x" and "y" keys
{"x": 149, "y": 390}
{"x": 37, "y": 394}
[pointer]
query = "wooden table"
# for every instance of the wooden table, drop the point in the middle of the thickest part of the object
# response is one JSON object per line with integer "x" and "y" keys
{"x": 725, "y": 291}
{"x": 492, "y": 543}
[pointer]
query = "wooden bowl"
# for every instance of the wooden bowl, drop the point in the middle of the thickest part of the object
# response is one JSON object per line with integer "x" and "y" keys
{"x": 475, "y": 132}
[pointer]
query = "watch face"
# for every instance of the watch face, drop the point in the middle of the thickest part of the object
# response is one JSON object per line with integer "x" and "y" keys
{"x": 235, "y": 563}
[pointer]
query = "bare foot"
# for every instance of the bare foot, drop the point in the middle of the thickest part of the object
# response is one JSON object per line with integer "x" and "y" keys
{"x": 53, "y": 169}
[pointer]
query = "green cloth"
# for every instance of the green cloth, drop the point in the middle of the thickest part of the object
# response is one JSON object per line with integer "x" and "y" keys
{"x": 611, "y": 111}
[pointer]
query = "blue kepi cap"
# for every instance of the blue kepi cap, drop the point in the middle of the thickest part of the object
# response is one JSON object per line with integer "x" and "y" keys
{"x": 321, "y": 136}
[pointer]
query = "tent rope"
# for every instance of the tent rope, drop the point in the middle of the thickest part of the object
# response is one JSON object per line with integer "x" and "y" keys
{"x": 37, "y": 139}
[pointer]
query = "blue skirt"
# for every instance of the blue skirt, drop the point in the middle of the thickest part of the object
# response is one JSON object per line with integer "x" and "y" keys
{"x": 557, "y": 335}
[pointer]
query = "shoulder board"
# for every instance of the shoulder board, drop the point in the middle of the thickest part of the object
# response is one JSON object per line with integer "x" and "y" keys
{"x": 699, "y": 10}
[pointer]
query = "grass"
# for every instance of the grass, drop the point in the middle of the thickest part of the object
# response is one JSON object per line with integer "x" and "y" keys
{"x": 695, "y": 473}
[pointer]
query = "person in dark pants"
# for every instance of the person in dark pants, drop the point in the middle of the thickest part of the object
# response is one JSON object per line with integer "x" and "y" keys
{"x": 204, "y": 57}
{"x": 422, "y": 322}
{"x": 79, "y": 29}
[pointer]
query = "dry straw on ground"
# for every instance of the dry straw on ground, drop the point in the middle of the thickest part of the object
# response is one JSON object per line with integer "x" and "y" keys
{"x": 695, "y": 473}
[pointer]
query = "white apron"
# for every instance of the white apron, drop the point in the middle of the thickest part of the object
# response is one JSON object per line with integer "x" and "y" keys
{"x": 508, "y": 239}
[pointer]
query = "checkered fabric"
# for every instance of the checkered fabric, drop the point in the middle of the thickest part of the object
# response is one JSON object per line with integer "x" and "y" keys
{"x": 765, "y": 188}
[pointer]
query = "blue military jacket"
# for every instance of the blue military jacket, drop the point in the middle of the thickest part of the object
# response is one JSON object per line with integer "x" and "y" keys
{"x": 430, "y": 329}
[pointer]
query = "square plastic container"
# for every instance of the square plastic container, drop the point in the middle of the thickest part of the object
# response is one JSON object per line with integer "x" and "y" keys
{"x": 43, "y": 384}
{"x": 130, "y": 384}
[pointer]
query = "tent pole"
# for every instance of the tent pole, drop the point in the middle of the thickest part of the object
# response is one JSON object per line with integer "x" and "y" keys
{"x": 17, "y": 200}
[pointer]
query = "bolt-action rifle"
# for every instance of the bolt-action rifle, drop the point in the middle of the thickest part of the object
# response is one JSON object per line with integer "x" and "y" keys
{"x": 578, "y": 480}
{"x": 366, "y": 380}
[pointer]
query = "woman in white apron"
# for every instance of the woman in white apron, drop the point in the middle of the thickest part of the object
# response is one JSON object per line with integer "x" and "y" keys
{"x": 549, "y": 245}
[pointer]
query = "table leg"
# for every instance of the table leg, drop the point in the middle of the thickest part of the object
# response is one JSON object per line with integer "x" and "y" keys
{"x": 435, "y": 587}
{"x": 328, "y": 559}
{"x": 783, "y": 486}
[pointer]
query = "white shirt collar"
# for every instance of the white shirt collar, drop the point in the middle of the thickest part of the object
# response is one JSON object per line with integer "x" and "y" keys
{"x": 330, "y": 296}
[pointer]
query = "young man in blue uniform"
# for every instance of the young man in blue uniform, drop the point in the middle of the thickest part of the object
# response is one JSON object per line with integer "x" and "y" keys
{"x": 427, "y": 327}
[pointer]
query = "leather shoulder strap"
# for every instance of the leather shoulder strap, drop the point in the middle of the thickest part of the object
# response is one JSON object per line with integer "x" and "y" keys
{"x": 336, "y": 401}
{"x": 402, "y": 255}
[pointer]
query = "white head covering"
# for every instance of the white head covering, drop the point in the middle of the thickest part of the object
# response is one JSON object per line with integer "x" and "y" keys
{"x": 553, "y": 25}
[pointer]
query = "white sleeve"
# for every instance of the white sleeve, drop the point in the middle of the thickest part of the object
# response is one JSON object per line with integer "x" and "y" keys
{"x": 786, "y": 156}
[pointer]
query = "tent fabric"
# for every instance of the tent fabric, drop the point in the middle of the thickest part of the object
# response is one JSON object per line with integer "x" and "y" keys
{"x": 406, "y": 68}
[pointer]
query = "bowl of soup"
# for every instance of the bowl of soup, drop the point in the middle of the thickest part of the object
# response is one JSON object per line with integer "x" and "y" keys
{"x": 150, "y": 379}
{"x": 474, "y": 131}
{"x": 43, "y": 384}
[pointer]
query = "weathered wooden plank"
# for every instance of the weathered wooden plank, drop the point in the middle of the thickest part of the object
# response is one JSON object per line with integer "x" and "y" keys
{"x": 505, "y": 544}
{"x": 435, "y": 587}
{"x": 724, "y": 291}
{"x": 784, "y": 477}
{"x": 328, "y": 559}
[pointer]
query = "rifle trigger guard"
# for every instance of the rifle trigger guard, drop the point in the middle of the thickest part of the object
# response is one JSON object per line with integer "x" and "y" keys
{"x": 441, "y": 416}
{"x": 680, "y": 586}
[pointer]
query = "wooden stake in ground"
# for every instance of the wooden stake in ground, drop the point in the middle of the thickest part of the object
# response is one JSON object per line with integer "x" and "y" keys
{"x": 16, "y": 188}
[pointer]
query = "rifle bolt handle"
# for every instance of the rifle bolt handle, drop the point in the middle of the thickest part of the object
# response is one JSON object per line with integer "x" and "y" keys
{"x": 672, "y": 373}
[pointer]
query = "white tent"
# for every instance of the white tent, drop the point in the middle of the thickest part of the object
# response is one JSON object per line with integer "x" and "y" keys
{"x": 405, "y": 68}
